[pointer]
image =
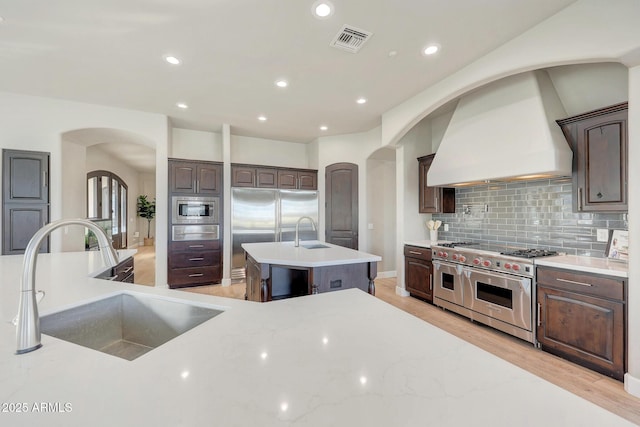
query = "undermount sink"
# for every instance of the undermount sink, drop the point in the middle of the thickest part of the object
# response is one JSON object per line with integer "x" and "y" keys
{"x": 125, "y": 325}
{"x": 315, "y": 246}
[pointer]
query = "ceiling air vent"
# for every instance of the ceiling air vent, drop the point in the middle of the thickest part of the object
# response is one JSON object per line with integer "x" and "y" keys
{"x": 350, "y": 38}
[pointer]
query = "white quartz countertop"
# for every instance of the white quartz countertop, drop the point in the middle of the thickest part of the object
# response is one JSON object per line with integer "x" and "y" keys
{"x": 285, "y": 253}
{"x": 570, "y": 262}
{"x": 586, "y": 264}
{"x": 341, "y": 358}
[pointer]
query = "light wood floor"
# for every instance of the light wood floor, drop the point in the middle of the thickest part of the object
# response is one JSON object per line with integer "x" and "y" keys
{"x": 599, "y": 389}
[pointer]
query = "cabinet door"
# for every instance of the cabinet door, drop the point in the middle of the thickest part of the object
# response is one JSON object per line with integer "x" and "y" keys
{"x": 307, "y": 180}
{"x": 25, "y": 176}
{"x": 433, "y": 199}
{"x": 20, "y": 223}
{"x": 602, "y": 163}
{"x": 209, "y": 179}
{"x": 242, "y": 176}
{"x": 287, "y": 179}
{"x": 267, "y": 178}
{"x": 182, "y": 177}
{"x": 583, "y": 329}
{"x": 419, "y": 278}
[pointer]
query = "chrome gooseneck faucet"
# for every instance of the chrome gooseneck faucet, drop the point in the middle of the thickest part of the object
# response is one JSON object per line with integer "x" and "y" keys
{"x": 313, "y": 225}
{"x": 28, "y": 328}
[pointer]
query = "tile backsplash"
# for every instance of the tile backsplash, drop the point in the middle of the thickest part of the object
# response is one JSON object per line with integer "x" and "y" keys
{"x": 532, "y": 214}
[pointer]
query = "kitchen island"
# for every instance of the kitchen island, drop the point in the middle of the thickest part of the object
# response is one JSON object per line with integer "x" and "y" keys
{"x": 282, "y": 270}
{"x": 340, "y": 358}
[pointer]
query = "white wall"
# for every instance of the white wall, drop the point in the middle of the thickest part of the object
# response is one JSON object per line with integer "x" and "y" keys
{"x": 381, "y": 213}
{"x": 35, "y": 123}
{"x": 193, "y": 144}
{"x": 258, "y": 151}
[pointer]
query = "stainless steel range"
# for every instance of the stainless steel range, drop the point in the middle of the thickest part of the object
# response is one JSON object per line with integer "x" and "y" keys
{"x": 493, "y": 287}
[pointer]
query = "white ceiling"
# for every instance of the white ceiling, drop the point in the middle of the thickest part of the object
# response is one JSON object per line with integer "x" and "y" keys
{"x": 111, "y": 53}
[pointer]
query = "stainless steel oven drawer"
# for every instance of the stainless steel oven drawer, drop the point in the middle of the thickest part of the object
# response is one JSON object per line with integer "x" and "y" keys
{"x": 195, "y": 232}
{"x": 447, "y": 282}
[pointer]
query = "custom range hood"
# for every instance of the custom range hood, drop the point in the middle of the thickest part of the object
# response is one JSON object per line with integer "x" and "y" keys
{"x": 502, "y": 132}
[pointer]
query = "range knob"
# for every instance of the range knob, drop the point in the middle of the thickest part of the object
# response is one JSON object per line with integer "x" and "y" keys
{"x": 440, "y": 253}
{"x": 515, "y": 267}
{"x": 462, "y": 258}
{"x": 507, "y": 266}
{"x": 445, "y": 254}
{"x": 486, "y": 263}
{"x": 454, "y": 257}
{"x": 476, "y": 261}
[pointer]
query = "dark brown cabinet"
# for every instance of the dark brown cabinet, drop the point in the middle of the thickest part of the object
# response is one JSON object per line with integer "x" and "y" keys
{"x": 581, "y": 317}
{"x": 25, "y": 199}
{"x": 433, "y": 199}
{"x": 418, "y": 272}
{"x": 123, "y": 272}
{"x": 196, "y": 262}
{"x": 194, "y": 177}
{"x": 599, "y": 142}
{"x": 272, "y": 177}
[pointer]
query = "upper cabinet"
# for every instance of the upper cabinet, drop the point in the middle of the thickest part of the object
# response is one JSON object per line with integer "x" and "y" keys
{"x": 599, "y": 142}
{"x": 271, "y": 177}
{"x": 194, "y": 177}
{"x": 433, "y": 199}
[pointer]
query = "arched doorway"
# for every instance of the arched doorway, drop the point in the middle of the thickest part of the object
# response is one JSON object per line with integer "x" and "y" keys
{"x": 107, "y": 203}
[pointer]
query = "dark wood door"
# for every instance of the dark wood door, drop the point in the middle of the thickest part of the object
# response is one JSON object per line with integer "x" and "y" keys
{"x": 584, "y": 329}
{"x": 599, "y": 142}
{"x": 307, "y": 180}
{"x": 433, "y": 199}
{"x": 267, "y": 178}
{"x": 341, "y": 212}
{"x": 287, "y": 179}
{"x": 418, "y": 272}
{"x": 25, "y": 198}
{"x": 209, "y": 179}
{"x": 243, "y": 176}
{"x": 182, "y": 177}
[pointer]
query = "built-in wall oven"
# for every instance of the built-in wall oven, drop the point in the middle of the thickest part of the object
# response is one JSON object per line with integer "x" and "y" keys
{"x": 494, "y": 288}
{"x": 195, "y": 218}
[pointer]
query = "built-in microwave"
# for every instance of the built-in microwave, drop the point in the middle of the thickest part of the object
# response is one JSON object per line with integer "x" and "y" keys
{"x": 195, "y": 210}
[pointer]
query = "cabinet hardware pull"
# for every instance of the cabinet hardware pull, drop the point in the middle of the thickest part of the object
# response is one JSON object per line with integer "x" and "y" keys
{"x": 196, "y": 275}
{"x": 196, "y": 259}
{"x": 195, "y": 189}
{"x": 539, "y": 321}
{"x": 437, "y": 208}
{"x": 415, "y": 253}
{"x": 430, "y": 284}
{"x": 196, "y": 246}
{"x": 128, "y": 270}
{"x": 574, "y": 282}
{"x": 579, "y": 198}
{"x": 44, "y": 178}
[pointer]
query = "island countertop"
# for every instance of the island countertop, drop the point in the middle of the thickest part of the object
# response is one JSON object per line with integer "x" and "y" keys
{"x": 341, "y": 358}
{"x": 285, "y": 253}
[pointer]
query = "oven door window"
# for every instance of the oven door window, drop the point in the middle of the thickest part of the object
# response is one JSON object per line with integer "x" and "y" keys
{"x": 194, "y": 209}
{"x": 447, "y": 281}
{"x": 495, "y": 295}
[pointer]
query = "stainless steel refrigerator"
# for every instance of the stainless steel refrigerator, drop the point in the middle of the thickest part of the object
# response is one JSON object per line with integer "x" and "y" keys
{"x": 265, "y": 215}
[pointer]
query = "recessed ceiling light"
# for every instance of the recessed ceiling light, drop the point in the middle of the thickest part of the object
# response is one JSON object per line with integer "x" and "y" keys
{"x": 182, "y": 105}
{"x": 431, "y": 49}
{"x": 1, "y": 19}
{"x": 172, "y": 60}
{"x": 282, "y": 83}
{"x": 323, "y": 127}
{"x": 361, "y": 100}
{"x": 392, "y": 53}
{"x": 322, "y": 9}
{"x": 262, "y": 118}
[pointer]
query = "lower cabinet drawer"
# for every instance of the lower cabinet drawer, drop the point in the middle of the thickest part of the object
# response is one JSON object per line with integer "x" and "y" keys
{"x": 194, "y": 259}
{"x": 180, "y": 277}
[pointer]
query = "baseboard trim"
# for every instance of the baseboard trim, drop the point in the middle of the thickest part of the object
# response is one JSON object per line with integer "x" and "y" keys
{"x": 386, "y": 274}
{"x": 401, "y": 291}
{"x": 632, "y": 385}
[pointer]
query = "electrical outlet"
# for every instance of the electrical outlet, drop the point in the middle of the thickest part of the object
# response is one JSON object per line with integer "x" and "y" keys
{"x": 136, "y": 234}
{"x": 370, "y": 226}
{"x": 446, "y": 227}
{"x": 602, "y": 235}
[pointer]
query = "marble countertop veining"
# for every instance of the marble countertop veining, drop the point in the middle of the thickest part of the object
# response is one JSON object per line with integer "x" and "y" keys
{"x": 338, "y": 358}
{"x": 285, "y": 253}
